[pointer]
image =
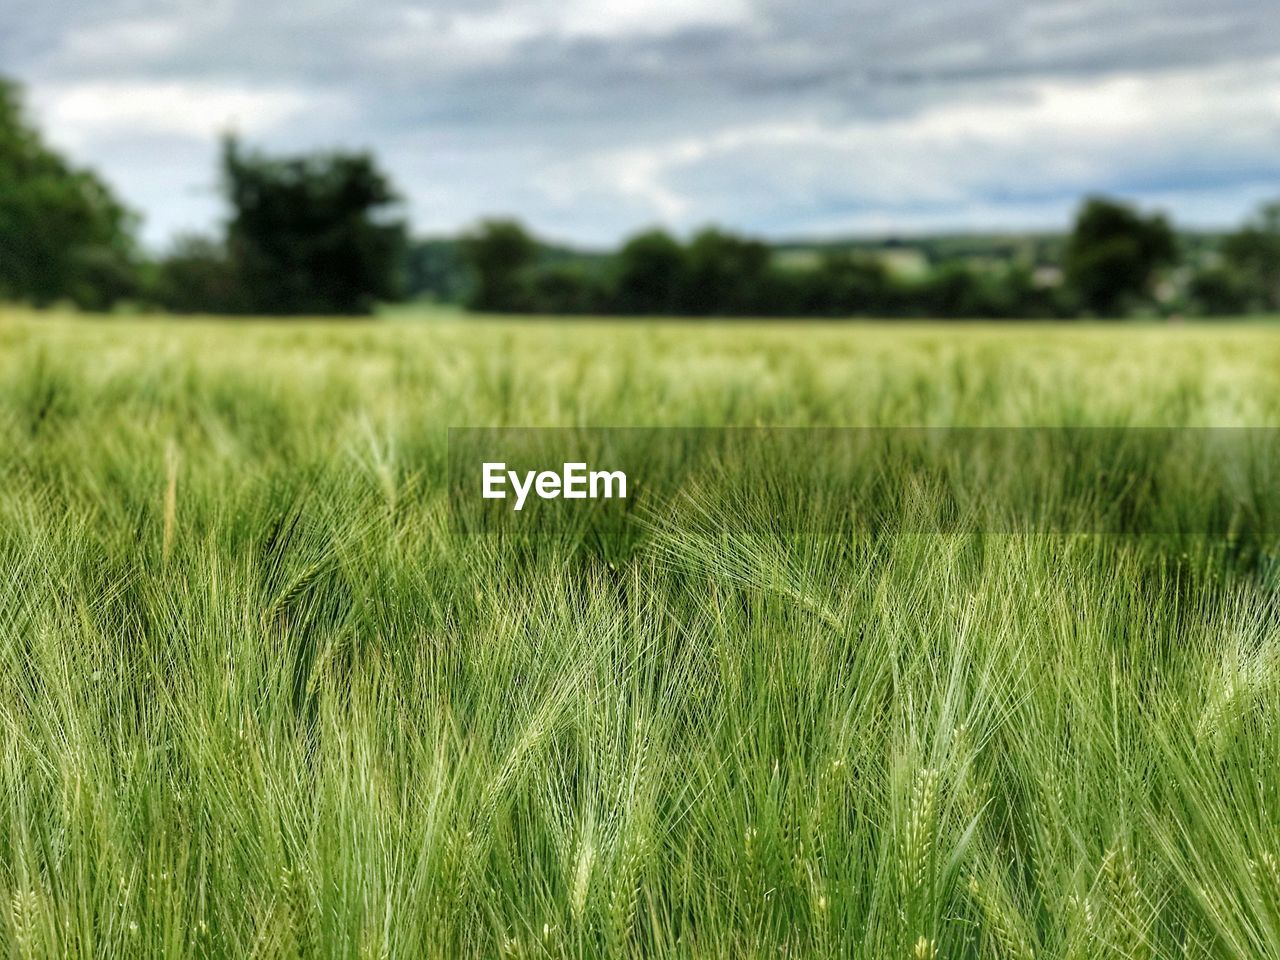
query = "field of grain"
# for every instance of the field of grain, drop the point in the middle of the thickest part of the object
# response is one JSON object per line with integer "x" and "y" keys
{"x": 258, "y": 699}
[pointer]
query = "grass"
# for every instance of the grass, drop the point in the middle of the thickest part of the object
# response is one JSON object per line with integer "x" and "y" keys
{"x": 258, "y": 700}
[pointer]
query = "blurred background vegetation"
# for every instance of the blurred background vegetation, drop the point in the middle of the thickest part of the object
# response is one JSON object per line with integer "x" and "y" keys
{"x": 323, "y": 234}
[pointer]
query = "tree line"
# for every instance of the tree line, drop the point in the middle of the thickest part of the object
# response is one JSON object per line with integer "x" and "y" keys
{"x": 717, "y": 273}
{"x": 1116, "y": 261}
{"x": 322, "y": 234}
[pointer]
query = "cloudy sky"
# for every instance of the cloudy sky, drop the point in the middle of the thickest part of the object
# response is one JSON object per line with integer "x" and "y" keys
{"x": 590, "y": 118}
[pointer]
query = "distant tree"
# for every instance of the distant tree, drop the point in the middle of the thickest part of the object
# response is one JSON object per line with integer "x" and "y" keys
{"x": 63, "y": 234}
{"x": 502, "y": 255}
{"x": 1016, "y": 294}
{"x": 565, "y": 288}
{"x": 312, "y": 234}
{"x": 1114, "y": 252}
{"x": 1219, "y": 291}
{"x": 845, "y": 284}
{"x": 781, "y": 291}
{"x": 198, "y": 276}
{"x": 726, "y": 276}
{"x": 650, "y": 274}
{"x": 957, "y": 290}
{"x": 435, "y": 269}
{"x": 1254, "y": 252}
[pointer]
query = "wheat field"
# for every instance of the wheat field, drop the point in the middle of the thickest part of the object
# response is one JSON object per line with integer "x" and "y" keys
{"x": 259, "y": 699}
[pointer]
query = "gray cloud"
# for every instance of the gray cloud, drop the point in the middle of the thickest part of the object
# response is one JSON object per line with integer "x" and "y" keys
{"x": 761, "y": 113}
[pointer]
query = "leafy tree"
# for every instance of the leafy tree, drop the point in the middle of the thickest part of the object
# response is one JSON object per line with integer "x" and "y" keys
{"x": 844, "y": 285}
{"x": 198, "y": 276}
{"x": 312, "y": 234}
{"x": 1114, "y": 252}
{"x": 725, "y": 276}
{"x": 565, "y": 288}
{"x": 779, "y": 292}
{"x": 957, "y": 290}
{"x": 1219, "y": 291}
{"x": 63, "y": 234}
{"x": 502, "y": 255}
{"x": 1255, "y": 253}
{"x": 650, "y": 274}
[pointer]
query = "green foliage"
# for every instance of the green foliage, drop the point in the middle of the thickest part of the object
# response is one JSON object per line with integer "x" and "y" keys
{"x": 719, "y": 274}
{"x": 1255, "y": 253}
{"x": 198, "y": 276}
{"x": 725, "y": 275}
{"x": 502, "y": 256}
{"x": 846, "y": 284}
{"x": 63, "y": 235}
{"x": 565, "y": 289}
{"x": 956, "y": 290}
{"x": 650, "y": 275}
{"x": 1220, "y": 291}
{"x": 960, "y": 290}
{"x": 436, "y": 270}
{"x": 1113, "y": 255}
{"x": 312, "y": 234}
{"x": 260, "y": 698}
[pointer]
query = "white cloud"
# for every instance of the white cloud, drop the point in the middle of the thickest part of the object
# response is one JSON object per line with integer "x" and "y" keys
{"x": 80, "y": 113}
{"x": 1024, "y": 155}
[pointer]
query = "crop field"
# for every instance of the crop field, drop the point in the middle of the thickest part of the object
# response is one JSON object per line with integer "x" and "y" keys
{"x": 258, "y": 698}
